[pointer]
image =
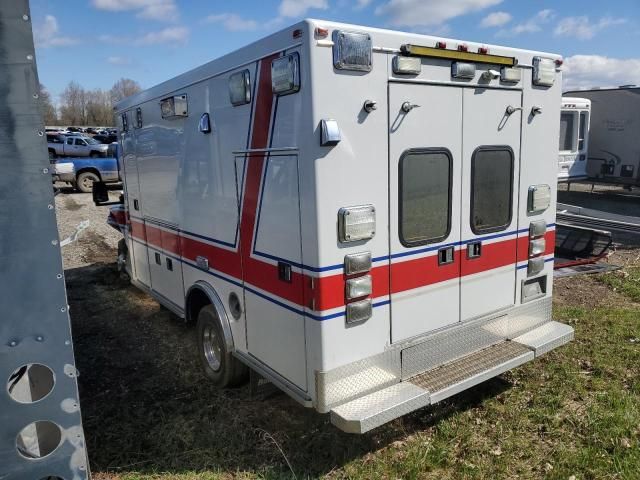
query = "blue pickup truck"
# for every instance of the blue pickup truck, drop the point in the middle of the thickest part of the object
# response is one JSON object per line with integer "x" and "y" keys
{"x": 87, "y": 170}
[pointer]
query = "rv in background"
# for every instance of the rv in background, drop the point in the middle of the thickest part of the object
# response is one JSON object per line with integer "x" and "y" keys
{"x": 614, "y": 137}
{"x": 574, "y": 141}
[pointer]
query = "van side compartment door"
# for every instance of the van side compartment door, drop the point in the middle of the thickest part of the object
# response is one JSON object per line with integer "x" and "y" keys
{"x": 271, "y": 255}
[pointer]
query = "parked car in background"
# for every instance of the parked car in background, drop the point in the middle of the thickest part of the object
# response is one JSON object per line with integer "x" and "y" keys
{"x": 81, "y": 172}
{"x": 91, "y": 130}
{"x": 74, "y": 129}
{"x": 105, "y": 138}
{"x": 75, "y": 146}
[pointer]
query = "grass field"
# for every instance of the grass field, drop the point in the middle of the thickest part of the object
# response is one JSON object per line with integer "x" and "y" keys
{"x": 148, "y": 413}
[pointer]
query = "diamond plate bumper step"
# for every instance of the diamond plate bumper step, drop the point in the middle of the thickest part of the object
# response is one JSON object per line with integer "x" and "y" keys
{"x": 375, "y": 409}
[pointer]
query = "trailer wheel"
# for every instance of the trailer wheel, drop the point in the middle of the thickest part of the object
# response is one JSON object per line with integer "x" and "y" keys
{"x": 219, "y": 364}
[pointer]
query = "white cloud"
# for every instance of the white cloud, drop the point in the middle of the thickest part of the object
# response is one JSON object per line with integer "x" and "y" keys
{"x": 232, "y": 22}
{"x": 532, "y": 25}
{"x": 48, "y": 35}
{"x": 165, "y": 10}
{"x": 495, "y": 19}
{"x": 362, "y": 4}
{"x": 587, "y": 71}
{"x": 298, "y": 8}
{"x": 582, "y": 28}
{"x": 167, "y": 35}
{"x": 413, "y": 13}
{"x": 115, "y": 60}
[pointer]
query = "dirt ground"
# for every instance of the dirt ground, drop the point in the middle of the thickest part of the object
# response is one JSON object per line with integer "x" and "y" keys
{"x": 148, "y": 409}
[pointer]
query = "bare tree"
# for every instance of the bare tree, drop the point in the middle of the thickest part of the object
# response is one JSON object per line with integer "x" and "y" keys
{"x": 73, "y": 105}
{"x": 123, "y": 88}
{"x": 48, "y": 109}
{"x": 99, "y": 108}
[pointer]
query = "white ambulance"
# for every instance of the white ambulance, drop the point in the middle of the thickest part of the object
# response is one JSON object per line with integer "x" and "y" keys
{"x": 574, "y": 139}
{"x": 364, "y": 217}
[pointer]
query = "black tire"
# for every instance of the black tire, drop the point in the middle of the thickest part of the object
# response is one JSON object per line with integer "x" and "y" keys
{"x": 223, "y": 368}
{"x": 52, "y": 155}
{"x": 84, "y": 182}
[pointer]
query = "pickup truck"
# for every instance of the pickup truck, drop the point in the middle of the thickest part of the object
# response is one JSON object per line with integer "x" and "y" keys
{"x": 75, "y": 146}
{"x": 85, "y": 171}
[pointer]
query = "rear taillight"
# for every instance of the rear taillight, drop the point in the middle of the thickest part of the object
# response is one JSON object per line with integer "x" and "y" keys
{"x": 537, "y": 246}
{"x": 358, "y": 288}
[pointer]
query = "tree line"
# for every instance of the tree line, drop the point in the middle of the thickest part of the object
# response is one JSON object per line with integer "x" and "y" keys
{"x": 79, "y": 106}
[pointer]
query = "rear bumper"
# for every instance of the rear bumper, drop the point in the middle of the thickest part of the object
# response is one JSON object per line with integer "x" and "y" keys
{"x": 372, "y": 391}
{"x": 377, "y": 408}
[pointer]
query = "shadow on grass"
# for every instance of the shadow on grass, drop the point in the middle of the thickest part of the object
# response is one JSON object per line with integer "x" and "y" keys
{"x": 147, "y": 408}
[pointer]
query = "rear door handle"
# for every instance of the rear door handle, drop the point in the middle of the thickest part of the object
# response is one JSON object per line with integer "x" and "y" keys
{"x": 474, "y": 249}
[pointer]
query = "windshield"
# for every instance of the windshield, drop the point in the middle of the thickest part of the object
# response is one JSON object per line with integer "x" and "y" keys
{"x": 91, "y": 141}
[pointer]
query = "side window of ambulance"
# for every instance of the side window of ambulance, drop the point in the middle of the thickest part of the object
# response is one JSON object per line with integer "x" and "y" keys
{"x": 425, "y": 196}
{"x": 491, "y": 189}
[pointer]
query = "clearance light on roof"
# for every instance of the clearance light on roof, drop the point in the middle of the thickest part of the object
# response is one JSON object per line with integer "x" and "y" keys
{"x": 406, "y": 65}
{"x": 463, "y": 70}
{"x": 463, "y": 48}
{"x": 544, "y": 71}
{"x": 483, "y": 50}
{"x": 441, "y": 52}
{"x": 285, "y": 74}
{"x": 510, "y": 75}
{"x": 352, "y": 51}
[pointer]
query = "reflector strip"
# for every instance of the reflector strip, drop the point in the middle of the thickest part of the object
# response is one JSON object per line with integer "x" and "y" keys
{"x": 420, "y": 51}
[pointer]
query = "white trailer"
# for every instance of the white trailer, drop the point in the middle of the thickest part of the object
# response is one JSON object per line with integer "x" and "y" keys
{"x": 574, "y": 139}
{"x": 362, "y": 216}
{"x": 614, "y": 134}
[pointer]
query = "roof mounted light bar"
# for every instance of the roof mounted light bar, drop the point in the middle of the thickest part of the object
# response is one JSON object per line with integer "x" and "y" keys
{"x": 422, "y": 51}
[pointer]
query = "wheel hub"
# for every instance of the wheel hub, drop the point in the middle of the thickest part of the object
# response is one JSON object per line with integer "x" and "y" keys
{"x": 211, "y": 348}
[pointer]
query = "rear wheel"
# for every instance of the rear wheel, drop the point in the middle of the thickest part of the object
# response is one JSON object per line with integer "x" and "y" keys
{"x": 85, "y": 180}
{"x": 219, "y": 364}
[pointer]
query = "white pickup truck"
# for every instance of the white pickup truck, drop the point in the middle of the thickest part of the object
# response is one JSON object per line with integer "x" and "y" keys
{"x": 75, "y": 146}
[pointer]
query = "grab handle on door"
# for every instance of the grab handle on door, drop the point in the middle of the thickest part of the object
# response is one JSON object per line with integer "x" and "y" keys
{"x": 474, "y": 249}
{"x": 445, "y": 256}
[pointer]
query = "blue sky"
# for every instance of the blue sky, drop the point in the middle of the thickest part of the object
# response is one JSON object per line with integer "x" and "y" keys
{"x": 96, "y": 42}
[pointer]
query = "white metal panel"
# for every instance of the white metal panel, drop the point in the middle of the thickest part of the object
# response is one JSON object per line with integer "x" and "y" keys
{"x": 136, "y": 236}
{"x": 275, "y": 330}
{"x": 424, "y": 294}
{"x": 488, "y": 282}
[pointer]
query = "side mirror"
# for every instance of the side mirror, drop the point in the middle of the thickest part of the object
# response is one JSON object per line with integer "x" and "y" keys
{"x": 100, "y": 193}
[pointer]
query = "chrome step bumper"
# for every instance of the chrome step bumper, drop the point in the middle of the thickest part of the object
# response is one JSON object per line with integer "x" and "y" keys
{"x": 369, "y": 411}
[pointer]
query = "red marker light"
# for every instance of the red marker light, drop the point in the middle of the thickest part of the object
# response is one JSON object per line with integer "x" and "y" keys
{"x": 462, "y": 48}
{"x": 483, "y": 50}
{"x": 297, "y": 33}
{"x": 559, "y": 62}
{"x": 322, "y": 32}
{"x": 441, "y": 45}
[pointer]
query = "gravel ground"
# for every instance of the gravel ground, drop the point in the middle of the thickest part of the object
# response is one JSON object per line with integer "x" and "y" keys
{"x": 98, "y": 242}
